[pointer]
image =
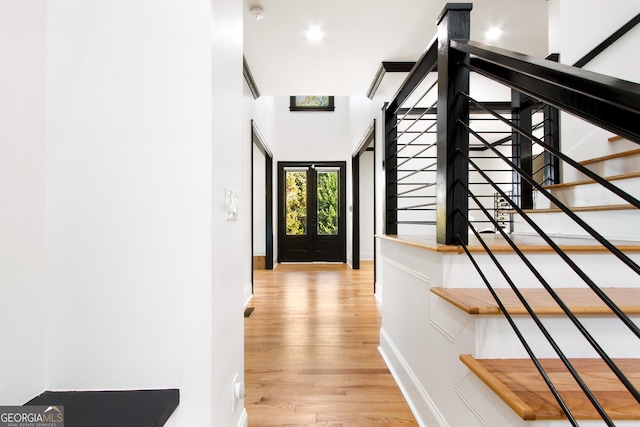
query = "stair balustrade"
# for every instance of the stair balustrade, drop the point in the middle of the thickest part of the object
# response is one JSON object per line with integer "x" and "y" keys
{"x": 463, "y": 168}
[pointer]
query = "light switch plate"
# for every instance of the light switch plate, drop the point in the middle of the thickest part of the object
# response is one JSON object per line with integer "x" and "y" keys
{"x": 231, "y": 202}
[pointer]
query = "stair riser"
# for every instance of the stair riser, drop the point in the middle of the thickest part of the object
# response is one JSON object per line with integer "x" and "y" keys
{"x": 589, "y": 194}
{"x": 491, "y": 336}
{"x": 614, "y": 225}
{"x": 458, "y": 270}
{"x": 613, "y": 167}
{"x": 495, "y": 337}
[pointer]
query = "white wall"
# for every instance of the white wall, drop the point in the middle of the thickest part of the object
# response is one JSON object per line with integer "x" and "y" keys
{"x": 231, "y": 240}
{"x": 312, "y": 135}
{"x": 576, "y": 27}
{"x": 22, "y": 188}
{"x": 144, "y": 135}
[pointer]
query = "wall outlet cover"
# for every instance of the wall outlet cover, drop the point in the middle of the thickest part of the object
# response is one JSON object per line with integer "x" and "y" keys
{"x": 231, "y": 202}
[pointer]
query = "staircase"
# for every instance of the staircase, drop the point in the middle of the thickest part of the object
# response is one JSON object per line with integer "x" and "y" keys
{"x": 493, "y": 315}
{"x": 498, "y": 358}
{"x": 610, "y": 215}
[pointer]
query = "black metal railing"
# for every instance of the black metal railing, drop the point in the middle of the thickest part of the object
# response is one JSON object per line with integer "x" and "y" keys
{"x": 410, "y": 150}
{"x": 490, "y": 163}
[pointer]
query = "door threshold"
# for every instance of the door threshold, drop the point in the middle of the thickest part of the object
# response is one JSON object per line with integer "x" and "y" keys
{"x": 312, "y": 262}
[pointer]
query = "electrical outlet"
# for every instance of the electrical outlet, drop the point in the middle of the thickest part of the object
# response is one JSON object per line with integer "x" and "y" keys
{"x": 231, "y": 204}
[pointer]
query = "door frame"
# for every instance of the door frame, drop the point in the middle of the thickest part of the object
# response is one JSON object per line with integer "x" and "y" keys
{"x": 342, "y": 200}
{"x": 258, "y": 140}
{"x": 367, "y": 143}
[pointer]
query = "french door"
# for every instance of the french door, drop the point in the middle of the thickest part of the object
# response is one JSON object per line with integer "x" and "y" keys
{"x": 311, "y": 211}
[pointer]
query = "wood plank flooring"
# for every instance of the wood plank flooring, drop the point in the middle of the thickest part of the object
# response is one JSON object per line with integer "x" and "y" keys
{"x": 311, "y": 356}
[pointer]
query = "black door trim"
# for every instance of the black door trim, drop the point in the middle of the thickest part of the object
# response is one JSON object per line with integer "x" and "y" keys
{"x": 341, "y": 256}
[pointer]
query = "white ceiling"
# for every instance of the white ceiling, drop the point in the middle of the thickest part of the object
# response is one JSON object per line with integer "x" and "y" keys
{"x": 360, "y": 34}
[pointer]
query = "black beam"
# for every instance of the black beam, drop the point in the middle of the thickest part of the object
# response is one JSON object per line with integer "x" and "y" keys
{"x": 390, "y": 171}
{"x": 608, "y": 42}
{"x": 522, "y": 149}
{"x": 551, "y": 172}
{"x": 268, "y": 177}
{"x": 497, "y": 106}
{"x": 453, "y": 169}
{"x": 355, "y": 212}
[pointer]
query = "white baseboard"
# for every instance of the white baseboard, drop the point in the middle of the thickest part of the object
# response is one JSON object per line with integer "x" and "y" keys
{"x": 421, "y": 404}
{"x": 244, "y": 419}
{"x": 366, "y": 256}
{"x": 248, "y": 300}
{"x": 378, "y": 298}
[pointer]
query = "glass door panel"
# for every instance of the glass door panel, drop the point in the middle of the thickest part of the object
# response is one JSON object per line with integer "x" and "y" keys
{"x": 296, "y": 203}
{"x": 327, "y": 202}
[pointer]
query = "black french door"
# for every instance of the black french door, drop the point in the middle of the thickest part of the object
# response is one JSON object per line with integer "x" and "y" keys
{"x": 311, "y": 211}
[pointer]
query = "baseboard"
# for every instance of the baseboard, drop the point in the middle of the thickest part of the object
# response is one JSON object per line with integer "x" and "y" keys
{"x": 378, "y": 298}
{"x": 244, "y": 419}
{"x": 421, "y": 404}
{"x": 248, "y": 300}
{"x": 366, "y": 256}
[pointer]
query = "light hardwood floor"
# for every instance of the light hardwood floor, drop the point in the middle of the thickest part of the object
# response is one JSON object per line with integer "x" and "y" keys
{"x": 311, "y": 356}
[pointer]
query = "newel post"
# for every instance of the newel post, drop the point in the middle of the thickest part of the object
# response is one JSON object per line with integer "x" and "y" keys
{"x": 453, "y": 169}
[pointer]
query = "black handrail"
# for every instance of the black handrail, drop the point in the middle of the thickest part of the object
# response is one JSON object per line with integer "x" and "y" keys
{"x": 608, "y": 42}
{"x": 426, "y": 63}
{"x": 608, "y": 102}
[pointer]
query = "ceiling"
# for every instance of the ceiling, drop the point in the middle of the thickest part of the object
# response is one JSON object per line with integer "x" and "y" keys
{"x": 360, "y": 34}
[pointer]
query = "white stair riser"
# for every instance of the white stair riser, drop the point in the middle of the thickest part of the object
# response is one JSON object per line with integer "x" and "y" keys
{"x": 589, "y": 194}
{"x": 459, "y": 272}
{"x": 491, "y": 336}
{"x": 618, "y": 166}
{"x": 614, "y": 225}
{"x": 496, "y": 339}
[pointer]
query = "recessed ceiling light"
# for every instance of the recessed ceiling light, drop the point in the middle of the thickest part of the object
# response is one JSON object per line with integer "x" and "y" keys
{"x": 493, "y": 33}
{"x": 314, "y": 33}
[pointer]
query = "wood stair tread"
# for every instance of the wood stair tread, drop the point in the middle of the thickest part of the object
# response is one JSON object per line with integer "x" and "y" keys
{"x": 590, "y": 181}
{"x": 611, "y": 157}
{"x": 525, "y": 242}
{"x": 519, "y": 384}
{"x": 599, "y": 208}
{"x": 579, "y": 300}
{"x": 615, "y": 138}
